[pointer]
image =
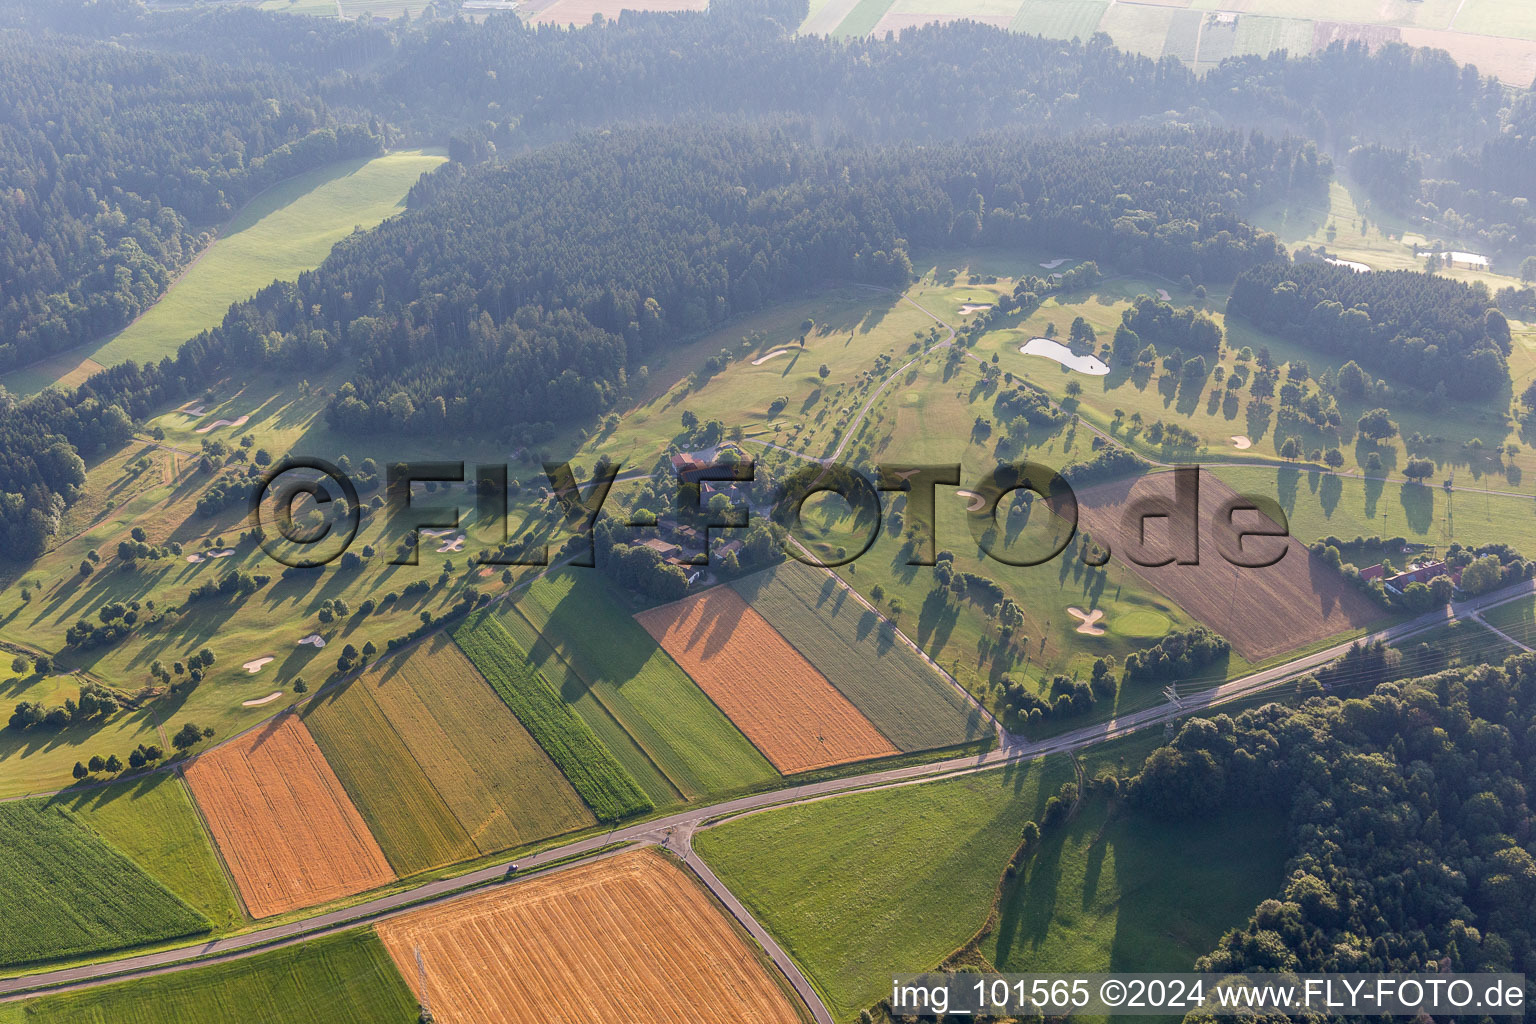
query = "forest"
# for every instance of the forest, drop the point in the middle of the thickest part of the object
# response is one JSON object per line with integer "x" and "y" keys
{"x": 817, "y": 179}
{"x": 1410, "y": 826}
{"x": 1431, "y": 332}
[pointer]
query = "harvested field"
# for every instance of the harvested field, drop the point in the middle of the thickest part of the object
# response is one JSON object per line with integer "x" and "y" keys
{"x": 287, "y": 830}
{"x": 1513, "y": 61}
{"x": 461, "y": 776}
{"x": 903, "y": 696}
{"x": 629, "y": 938}
{"x": 1262, "y": 611}
{"x": 788, "y": 709}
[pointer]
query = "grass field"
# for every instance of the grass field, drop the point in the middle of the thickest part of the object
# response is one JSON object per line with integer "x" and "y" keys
{"x": 859, "y": 887}
{"x": 1060, "y": 19}
{"x": 285, "y": 230}
{"x": 1516, "y": 619}
{"x": 774, "y": 695}
{"x": 640, "y": 686}
{"x": 631, "y": 937}
{"x": 602, "y": 782}
{"x": 66, "y": 892}
{"x": 343, "y": 979}
{"x": 153, "y": 822}
{"x": 915, "y": 707}
{"x": 1261, "y": 36}
{"x": 1115, "y": 892}
{"x": 437, "y": 765}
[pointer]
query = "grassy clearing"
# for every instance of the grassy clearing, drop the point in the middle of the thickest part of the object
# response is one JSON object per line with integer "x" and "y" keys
{"x": 1059, "y": 19}
{"x": 1112, "y": 891}
{"x": 602, "y": 782}
{"x": 635, "y": 681}
{"x": 906, "y": 700}
{"x": 861, "y": 886}
{"x": 153, "y": 822}
{"x": 344, "y": 979}
{"x": 1183, "y": 38}
{"x": 286, "y": 230}
{"x": 1319, "y": 504}
{"x": 68, "y": 893}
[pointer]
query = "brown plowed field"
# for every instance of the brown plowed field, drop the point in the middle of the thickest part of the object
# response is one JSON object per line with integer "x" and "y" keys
{"x": 776, "y": 698}
{"x": 285, "y": 826}
{"x": 630, "y": 938}
{"x": 1262, "y": 611}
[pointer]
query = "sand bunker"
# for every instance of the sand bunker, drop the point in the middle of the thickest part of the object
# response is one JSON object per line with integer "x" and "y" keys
{"x": 457, "y": 544}
{"x": 255, "y": 666}
{"x": 971, "y": 307}
{"x": 1053, "y": 264}
{"x": 194, "y": 558}
{"x": 259, "y": 701}
{"x": 974, "y": 502}
{"x": 1162, "y": 293}
{"x": 313, "y": 640}
{"x": 219, "y": 553}
{"x": 240, "y": 422}
{"x": 1088, "y": 623}
{"x": 1240, "y": 442}
{"x": 1359, "y": 268}
{"x": 192, "y": 410}
{"x": 760, "y": 360}
{"x": 1063, "y": 355}
{"x": 434, "y": 534}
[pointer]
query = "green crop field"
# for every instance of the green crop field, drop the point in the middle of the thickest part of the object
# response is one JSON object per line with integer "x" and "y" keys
{"x": 152, "y": 821}
{"x": 861, "y": 886}
{"x": 413, "y": 824}
{"x": 473, "y": 778}
{"x": 65, "y": 892}
{"x": 1060, "y": 19}
{"x": 1183, "y": 38}
{"x": 1262, "y": 36}
{"x": 582, "y": 699}
{"x": 636, "y": 682}
{"x": 342, "y": 979}
{"x": 1112, "y": 891}
{"x": 284, "y": 231}
{"x": 602, "y": 782}
{"x": 915, "y": 707}
{"x": 866, "y": 14}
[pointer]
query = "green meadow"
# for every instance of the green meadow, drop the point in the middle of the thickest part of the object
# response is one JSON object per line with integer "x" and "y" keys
{"x": 282, "y": 232}
{"x": 343, "y": 979}
{"x": 1111, "y": 891}
{"x": 858, "y": 887}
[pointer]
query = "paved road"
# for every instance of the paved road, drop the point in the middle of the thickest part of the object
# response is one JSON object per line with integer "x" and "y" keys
{"x": 1014, "y": 750}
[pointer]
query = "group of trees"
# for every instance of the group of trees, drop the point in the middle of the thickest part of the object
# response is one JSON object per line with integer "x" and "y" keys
{"x": 1179, "y": 655}
{"x": 95, "y": 702}
{"x": 1410, "y": 840}
{"x": 1423, "y": 330}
